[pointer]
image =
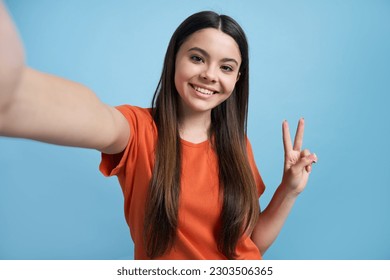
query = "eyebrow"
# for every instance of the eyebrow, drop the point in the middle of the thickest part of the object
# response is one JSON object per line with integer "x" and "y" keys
{"x": 204, "y": 53}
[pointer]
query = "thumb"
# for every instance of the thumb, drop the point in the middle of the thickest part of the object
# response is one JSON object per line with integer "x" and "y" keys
{"x": 305, "y": 162}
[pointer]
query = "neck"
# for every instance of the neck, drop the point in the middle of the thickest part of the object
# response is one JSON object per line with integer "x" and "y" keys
{"x": 194, "y": 127}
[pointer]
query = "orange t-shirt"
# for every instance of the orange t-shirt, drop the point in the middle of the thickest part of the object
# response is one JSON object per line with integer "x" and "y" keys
{"x": 199, "y": 204}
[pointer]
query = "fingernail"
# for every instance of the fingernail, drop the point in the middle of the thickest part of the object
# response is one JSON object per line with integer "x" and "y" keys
{"x": 314, "y": 156}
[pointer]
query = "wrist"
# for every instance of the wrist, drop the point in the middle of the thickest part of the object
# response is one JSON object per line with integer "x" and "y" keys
{"x": 288, "y": 191}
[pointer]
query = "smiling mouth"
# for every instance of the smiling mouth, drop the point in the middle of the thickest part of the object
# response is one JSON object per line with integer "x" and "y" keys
{"x": 203, "y": 90}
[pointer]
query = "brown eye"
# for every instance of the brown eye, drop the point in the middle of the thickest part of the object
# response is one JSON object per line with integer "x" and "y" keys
{"x": 196, "y": 58}
{"x": 227, "y": 68}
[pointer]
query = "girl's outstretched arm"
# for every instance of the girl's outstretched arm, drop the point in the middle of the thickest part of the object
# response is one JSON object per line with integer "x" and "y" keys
{"x": 46, "y": 108}
{"x": 11, "y": 57}
{"x": 297, "y": 167}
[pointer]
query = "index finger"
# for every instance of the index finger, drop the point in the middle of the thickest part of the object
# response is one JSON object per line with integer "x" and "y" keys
{"x": 299, "y": 135}
{"x": 286, "y": 137}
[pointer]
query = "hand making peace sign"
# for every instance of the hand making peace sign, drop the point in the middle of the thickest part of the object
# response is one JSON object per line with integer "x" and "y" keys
{"x": 297, "y": 162}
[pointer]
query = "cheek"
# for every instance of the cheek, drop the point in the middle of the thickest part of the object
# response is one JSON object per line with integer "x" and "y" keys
{"x": 180, "y": 74}
{"x": 180, "y": 82}
{"x": 178, "y": 79}
{"x": 230, "y": 85}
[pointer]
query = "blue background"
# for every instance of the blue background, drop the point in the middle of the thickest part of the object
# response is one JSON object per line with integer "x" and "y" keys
{"x": 328, "y": 61}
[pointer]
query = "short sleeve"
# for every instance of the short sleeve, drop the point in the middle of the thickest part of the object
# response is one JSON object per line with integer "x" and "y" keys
{"x": 112, "y": 164}
{"x": 141, "y": 125}
{"x": 259, "y": 181}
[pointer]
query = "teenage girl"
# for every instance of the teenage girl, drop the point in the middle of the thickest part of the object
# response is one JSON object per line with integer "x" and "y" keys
{"x": 186, "y": 167}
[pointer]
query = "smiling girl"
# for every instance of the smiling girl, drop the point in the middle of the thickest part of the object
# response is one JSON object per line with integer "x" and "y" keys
{"x": 186, "y": 168}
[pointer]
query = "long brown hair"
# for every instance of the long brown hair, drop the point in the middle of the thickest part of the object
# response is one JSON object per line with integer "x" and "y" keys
{"x": 240, "y": 207}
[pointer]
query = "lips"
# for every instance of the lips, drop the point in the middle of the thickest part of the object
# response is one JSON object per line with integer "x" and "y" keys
{"x": 203, "y": 90}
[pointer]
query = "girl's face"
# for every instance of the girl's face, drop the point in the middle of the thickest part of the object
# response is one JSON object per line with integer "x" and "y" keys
{"x": 207, "y": 69}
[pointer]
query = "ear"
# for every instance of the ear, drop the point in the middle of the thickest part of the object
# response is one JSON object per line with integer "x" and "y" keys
{"x": 238, "y": 76}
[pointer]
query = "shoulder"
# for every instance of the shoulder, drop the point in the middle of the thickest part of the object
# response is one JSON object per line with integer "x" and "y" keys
{"x": 248, "y": 146}
{"x": 130, "y": 111}
{"x": 140, "y": 121}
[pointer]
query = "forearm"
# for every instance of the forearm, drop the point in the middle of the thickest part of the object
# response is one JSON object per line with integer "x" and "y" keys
{"x": 11, "y": 58}
{"x": 272, "y": 219}
{"x": 51, "y": 109}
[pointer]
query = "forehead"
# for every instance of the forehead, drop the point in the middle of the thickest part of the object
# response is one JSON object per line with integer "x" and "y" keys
{"x": 213, "y": 41}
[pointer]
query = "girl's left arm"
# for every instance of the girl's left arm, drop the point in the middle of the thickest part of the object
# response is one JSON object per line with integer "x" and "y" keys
{"x": 297, "y": 167}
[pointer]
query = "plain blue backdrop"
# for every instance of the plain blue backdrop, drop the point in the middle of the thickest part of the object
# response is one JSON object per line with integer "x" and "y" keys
{"x": 328, "y": 61}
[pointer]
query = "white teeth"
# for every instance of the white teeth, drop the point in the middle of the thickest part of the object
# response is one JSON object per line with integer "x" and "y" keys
{"x": 203, "y": 90}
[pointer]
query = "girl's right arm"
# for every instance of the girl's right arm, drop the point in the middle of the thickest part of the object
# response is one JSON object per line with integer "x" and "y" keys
{"x": 46, "y": 108}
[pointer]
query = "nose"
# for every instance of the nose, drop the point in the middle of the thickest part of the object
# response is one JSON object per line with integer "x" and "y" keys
{"x": 209, "y": 74}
